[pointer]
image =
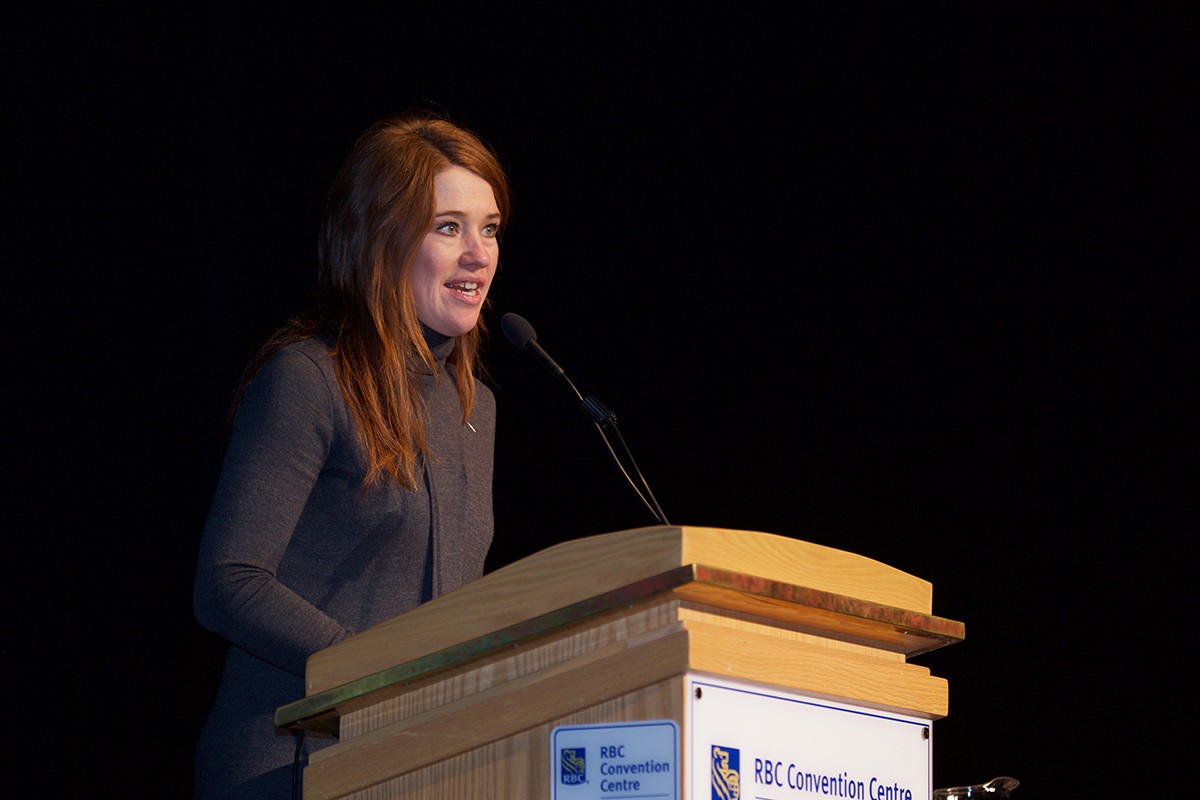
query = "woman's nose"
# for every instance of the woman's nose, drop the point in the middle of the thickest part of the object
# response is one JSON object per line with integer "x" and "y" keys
{"x": 477, "y": 251}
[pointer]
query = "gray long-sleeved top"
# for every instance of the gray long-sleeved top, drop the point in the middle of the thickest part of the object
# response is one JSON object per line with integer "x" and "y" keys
{"x": 296, "y": 554}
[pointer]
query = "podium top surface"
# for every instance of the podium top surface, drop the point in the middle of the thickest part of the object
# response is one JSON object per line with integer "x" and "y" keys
{"x": 571, "y": 574}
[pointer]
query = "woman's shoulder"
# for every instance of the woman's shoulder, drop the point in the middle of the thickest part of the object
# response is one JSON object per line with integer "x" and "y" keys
{"x": 304, "y": 365}
{"x": 483, "y": 393}
{"x": 303, "y": 355}
{"x": 293, "y": 393}
{"x": 482, "y": 389}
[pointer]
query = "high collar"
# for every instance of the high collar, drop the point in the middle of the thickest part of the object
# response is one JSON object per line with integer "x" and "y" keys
{"x": 441, "y": 346}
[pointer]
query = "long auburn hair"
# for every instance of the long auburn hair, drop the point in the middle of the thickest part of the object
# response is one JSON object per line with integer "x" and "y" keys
{"x": 378, "y": 210}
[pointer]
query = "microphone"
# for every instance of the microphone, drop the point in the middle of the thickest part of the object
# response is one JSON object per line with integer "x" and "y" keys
{"x": 521, "y": 334}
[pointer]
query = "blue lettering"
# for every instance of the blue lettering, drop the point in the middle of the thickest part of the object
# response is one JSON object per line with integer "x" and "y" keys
{"x": 879, "y": 791}
{"x": 767, "y": 772}
{"x": 625, "y": 785}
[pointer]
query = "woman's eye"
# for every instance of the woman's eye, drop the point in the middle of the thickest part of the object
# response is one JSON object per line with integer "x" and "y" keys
{"x": 448, "y": 228}
{"x": 491, "y": 231}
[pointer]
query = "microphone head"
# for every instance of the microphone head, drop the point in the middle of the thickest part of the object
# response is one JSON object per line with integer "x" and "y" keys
{"x": 518, "y": 330}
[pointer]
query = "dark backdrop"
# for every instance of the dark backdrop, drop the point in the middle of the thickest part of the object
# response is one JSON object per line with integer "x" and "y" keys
{"x": 900, "y": 279}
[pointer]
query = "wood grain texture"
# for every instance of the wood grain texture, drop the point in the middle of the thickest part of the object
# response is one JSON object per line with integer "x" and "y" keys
{"x": 518, "y": 767}
{"x": 628, "y": 628}
{"x": 579, "y": 569}
{"x": 835, "y": 674}
{"x": 626, "y": 676}
{"x": 628, "y": 616}
{"x": 494, "y": 742}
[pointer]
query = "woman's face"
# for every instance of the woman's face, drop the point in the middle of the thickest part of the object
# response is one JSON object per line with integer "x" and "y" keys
{"x": 457, "y": 259}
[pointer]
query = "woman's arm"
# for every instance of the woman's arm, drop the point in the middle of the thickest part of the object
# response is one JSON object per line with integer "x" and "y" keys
{"x": 281, "y": 438}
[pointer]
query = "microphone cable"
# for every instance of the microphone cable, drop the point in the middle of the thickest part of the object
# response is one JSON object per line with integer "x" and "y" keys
{"x": 521, "y": 334}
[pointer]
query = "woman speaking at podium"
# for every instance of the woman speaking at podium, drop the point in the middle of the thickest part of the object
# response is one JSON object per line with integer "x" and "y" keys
{"x": 357, "y": 477}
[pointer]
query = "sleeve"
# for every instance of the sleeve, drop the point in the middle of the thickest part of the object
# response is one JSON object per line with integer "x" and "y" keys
{"x": 281, "y": 437}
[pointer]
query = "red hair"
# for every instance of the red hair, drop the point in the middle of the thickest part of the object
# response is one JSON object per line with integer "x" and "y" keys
{"x": 378, "y": 210}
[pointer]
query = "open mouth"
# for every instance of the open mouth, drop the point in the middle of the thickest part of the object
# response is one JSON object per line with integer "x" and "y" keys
{"x": 465, "y": 288}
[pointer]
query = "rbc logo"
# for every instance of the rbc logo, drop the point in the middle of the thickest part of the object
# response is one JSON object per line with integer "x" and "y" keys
{"x": 726, "y": 773}
{"x": 572, "y": 767}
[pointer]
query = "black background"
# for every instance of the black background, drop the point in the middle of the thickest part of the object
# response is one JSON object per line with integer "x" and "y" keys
{"x": 900, "y": 279}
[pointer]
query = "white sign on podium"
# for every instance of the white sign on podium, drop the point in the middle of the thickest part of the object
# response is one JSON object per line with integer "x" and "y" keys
{"x": 746, "y": 742}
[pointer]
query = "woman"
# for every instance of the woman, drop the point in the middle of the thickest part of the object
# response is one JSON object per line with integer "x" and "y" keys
{"x": 357, "y": 479}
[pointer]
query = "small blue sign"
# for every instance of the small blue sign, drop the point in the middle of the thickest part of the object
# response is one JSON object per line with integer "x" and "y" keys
{"x": 630, "y": 760}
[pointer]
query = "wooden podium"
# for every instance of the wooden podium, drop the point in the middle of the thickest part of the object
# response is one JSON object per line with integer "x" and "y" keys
{"x": 457, "y": 698}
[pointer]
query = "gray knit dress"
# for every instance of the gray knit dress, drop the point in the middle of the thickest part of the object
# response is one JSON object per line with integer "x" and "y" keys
{"x": 296, "y": 554}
